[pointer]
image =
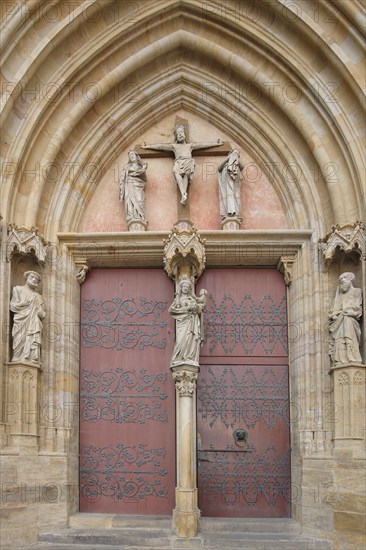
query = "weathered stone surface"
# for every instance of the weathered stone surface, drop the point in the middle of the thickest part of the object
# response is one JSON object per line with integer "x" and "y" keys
{"x": 319, "y": 518}
{"x": 351, "y": 502}
{"x": 95, "y": 521}
{"x": 348, "y": 522}
{"x": 350, "y": 476}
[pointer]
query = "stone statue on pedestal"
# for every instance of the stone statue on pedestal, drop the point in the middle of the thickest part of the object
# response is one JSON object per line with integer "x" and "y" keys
{"x": 184, "y": 163}
{"x": 230, "y": 177}
{"x": 344, "y": 327}
{"x": 186, "y": 310}
{"x": 132, "y": 184}
{"x": 28, "y": 308}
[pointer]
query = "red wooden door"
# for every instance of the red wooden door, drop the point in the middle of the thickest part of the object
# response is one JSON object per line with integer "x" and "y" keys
{"x": 127, "y": 408}
{"x": 243, "y": 384}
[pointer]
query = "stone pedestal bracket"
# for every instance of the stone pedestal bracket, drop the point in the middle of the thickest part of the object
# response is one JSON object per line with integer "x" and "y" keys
{"x": 23, "y": 385}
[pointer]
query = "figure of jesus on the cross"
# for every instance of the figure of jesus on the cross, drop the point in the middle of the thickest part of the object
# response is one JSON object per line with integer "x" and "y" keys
{"x": 184, "y": 163}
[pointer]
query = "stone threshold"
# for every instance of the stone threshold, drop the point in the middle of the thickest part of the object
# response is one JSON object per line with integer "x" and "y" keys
{"x": 84, "y": 520}
{"x": 110, "y": 531}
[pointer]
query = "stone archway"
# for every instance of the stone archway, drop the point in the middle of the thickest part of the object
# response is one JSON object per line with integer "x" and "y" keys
{"x": 85, "y": 82}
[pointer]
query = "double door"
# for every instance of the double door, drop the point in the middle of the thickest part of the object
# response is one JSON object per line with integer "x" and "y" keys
{"x": 127, "y": 395}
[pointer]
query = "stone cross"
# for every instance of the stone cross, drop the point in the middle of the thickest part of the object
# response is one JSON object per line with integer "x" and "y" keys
{"x": 182, "y": 150}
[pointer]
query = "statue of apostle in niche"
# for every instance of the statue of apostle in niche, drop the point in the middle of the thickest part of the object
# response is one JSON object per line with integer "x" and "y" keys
{"x": 344, "y": 326}
{"x": 230, "y": 177}
{"x": 184, "y": 163}
{"x": 132, "y": 187}
{"x": 28, "y": 308}
{"x": 187, "y": 311}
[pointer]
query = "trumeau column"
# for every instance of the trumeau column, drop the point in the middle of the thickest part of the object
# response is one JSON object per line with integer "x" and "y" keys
{"x": 184, "y": 260}
{"x": 186, "y": 513}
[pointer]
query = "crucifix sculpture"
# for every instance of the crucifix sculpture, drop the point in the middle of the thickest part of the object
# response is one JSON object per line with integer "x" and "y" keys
{"x": 184, "y": 163}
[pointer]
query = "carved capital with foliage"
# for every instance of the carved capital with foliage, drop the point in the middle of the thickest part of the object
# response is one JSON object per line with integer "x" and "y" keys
{"x": 185, "y": 379}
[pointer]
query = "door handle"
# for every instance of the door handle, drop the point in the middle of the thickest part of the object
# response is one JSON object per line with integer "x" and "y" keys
{"x": 240, "y": 435}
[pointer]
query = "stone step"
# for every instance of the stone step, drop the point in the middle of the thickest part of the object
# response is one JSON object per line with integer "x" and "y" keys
{"x": 264, "y": 541}
{"x": 114, "y": 521}
{"x": 163, "y": 539}
{"x": 111, "y": 531}
{"x": 248, "y": 545}
{"x": 247, "y": 525}
{"x": 250, "y": 525}
{"x": 122, "y": 537}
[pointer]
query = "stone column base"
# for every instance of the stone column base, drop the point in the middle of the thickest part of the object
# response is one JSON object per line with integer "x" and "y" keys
{"x": 137, "y": 225}
{"x": 186, "y": 515}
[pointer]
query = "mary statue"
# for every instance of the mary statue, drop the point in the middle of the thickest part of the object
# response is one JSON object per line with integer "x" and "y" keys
{"x": 132, "y": 184}
{"x": 187, "y": 311}
{"x": 230, "y": 177}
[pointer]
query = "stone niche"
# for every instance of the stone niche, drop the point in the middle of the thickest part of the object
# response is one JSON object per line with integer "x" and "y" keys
{"x": 22, "y": 377}
{"x": 348, "y": 380}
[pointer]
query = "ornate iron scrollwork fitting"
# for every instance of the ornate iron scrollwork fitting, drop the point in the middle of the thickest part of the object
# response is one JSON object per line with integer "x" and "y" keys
{"x": 251, "y": 397}
{"x": 123, "y": 324}
{"x": 109, "y": 471}
{"x": 245, "y": 476}
{"x": 251, "y": 324}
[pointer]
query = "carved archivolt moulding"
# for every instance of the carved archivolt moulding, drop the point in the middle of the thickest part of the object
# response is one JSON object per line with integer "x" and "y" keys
{"x": 22, "y": 240}
{"x": 184, "y": 251}
{"x": 349, "y": 237}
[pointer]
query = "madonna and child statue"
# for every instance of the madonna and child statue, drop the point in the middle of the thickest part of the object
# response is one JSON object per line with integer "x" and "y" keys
{"x": 187, "y": 311}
